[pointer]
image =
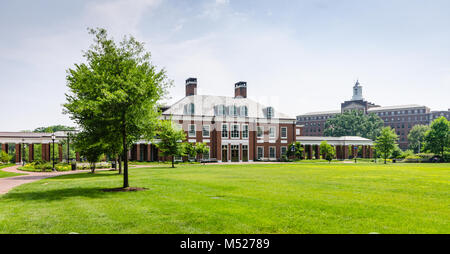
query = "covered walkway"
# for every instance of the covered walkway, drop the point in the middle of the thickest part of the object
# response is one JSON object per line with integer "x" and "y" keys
{"x": 342, "y": 145}
{"x": 30, "y": 139}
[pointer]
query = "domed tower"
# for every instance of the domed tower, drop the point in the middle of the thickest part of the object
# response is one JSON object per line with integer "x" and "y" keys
{"x": 357, "y": 92}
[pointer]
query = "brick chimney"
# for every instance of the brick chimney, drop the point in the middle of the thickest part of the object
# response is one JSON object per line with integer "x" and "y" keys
{"x": 191, "y": 86}
{"x": 240, "y": 89}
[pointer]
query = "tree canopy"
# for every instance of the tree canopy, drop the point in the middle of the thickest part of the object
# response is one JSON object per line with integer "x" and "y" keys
{"x": 296, "y": 150}
{"x": 386, "y": 142}
{"x": 354, "y": 123}
{"x": 328, "y": 151}
{"x": 54, "y": 128}
{"x": 115, "y": 93}
{"x": 416, "y": 136}
{"x": 171, "y": 138}
{"x": 437, "y": 138}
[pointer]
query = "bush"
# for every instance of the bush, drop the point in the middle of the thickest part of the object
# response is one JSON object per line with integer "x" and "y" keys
{"x": 4, "y": 157}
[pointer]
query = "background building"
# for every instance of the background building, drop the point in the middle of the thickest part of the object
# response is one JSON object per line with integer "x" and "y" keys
{"x": 401, "y": 118}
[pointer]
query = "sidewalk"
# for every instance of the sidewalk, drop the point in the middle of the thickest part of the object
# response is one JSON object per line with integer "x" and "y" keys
{"x": 8, "y": 183}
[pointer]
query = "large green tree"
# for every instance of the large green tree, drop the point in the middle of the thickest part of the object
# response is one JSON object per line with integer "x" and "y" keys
{"x": 354, "y": 123}
{"x": 201, "y": 149}
{"x": 386, "y": 142}
{"x": 416, "y": 136}
{"x": 115, "y": 93}
{"x": 437, "y": 139}
{"x": 171, "y": 138}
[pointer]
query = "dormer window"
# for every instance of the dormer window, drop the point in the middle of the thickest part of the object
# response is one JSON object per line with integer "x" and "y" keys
{"x": 220, "y": 110}
{"x": 244, "y": 111}
{"x": 233, "y": 110}
{"x": 269, "y": 112}
{"x": 190, "y": 109}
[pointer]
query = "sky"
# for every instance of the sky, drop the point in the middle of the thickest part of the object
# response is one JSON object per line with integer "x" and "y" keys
{"x": 298, "y": 56}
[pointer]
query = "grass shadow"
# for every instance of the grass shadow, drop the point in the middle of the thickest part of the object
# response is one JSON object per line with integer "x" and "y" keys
{"x": 56, "y": 194}
{"x": 88, "y": 175}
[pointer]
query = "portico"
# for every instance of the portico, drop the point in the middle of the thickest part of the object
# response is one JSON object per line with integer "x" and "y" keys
{"x": 341, "y": 144}
{"x": 30, "y": 139}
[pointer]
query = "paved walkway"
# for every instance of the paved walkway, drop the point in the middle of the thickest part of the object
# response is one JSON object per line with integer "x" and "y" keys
{"x": 6, "y": 184}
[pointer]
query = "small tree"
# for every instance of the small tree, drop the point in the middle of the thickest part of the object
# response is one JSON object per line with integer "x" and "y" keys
{"x": 295, "y": 149}
{"x": 328, "y": 151}
{"x": 171, "y": 140}
{"x": 201, "y": 149}
{"x": 438, "y": 137}
{"x": 416, "y": 136}
{"x": 189, "y": 150}
{"x": 5, "y": 157}
{"x": 89, "y": 147}
{"x": 386, "y": 142}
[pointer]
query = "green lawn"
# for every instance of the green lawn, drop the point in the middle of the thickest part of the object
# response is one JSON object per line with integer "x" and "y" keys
{"x": 261, "y": 198}
{"x": 4, "y": 174}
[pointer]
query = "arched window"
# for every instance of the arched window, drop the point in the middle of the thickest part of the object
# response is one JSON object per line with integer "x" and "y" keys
{"x": 269, "y": 112}
{"x": 244, "y": 111}
{"x": 190, "y": 109}
{"x": 233, "y": 110}
{"x": 220, "y": 110}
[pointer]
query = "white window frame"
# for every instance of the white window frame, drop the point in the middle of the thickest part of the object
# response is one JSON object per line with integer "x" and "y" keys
{"x": 257, "y": 152}
{"x": 209, "y": 154}
{"x": 227, "y": 132}
{"x": 189, "y": 131}
{"x": 209, "y": 131}
{"x": 274, "y": 153}
{"x": 297, "y": 132}
{"x": 262, "y": 131}
{"x": 274, "y": 132}
{"x": 238, "y": 131}
{"x": 281, "y": 132}
{"x": 245, "y": 132}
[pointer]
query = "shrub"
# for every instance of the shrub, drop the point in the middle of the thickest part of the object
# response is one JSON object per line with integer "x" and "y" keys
{"x": 4, "y": 157}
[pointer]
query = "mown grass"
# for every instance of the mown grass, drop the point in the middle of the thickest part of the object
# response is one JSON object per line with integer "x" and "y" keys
{"x": 260, "y": 198}
{"x": 4, "y": 174}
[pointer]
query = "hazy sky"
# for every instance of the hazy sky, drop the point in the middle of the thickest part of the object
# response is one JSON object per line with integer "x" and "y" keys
{"x": 298, "y": 56}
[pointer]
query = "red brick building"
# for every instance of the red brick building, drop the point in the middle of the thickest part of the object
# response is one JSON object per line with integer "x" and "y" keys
{"x": 236, "y": 129}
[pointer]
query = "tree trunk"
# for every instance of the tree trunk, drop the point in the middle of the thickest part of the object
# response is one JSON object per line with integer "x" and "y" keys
{"x": 120, "y": 164}
{"x": 173, "y": 161}
{"x": 93, "y": 168}
{"x": 125, "y": 151}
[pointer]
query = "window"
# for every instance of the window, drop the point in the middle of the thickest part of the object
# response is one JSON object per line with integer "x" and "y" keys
{"x": 220, "y": 110}
{"x": 260, "y": 153}
{"x": 192, "y": 130}
{"x": 205, "y": 131}
{"x": 233, "y": 110}
{"x": 206, "y": 155}
{"x": 297, "y": 132}
{"x": 283, "y": 150}
{"x": 191, "y": 109}
{"x": 283, "y": 132}
{"x": 244, "y": 111}
{"x": 260, "y": 132}
{"x": 271, "y": 132}
{"x": 244, "y": 131}
{"x": 269, "y": 112}
{"x": 224, "y": 131}
{"x": 272, "y": 152}
{"x": 235, "y": 131}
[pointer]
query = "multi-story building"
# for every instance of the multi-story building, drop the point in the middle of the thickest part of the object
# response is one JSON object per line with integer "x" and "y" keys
{"x": 401, "y": 118}
{"x": 235, "y": 128}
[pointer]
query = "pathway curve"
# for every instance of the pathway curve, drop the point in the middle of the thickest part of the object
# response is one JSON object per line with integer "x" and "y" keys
{"x": 7, "y": 183}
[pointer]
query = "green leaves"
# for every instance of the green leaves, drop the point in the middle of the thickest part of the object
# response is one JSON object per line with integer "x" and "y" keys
{"x": 354, "y": 123}
{"x": 437, "y": 138}
{"x": 386, "y": 142}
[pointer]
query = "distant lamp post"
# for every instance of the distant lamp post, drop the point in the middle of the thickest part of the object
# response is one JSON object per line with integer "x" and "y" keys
{"x": 53, "y": 139}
